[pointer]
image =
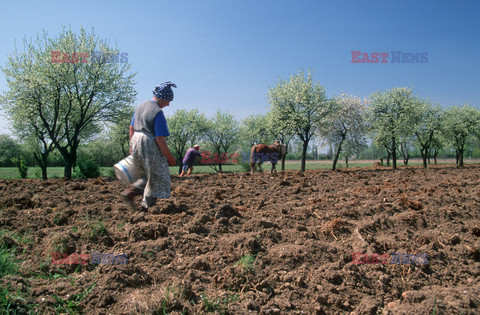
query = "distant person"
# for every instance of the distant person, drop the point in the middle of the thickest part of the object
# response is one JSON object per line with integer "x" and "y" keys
{"x": 189, "y": 158}
{"x": 149, "y": 149}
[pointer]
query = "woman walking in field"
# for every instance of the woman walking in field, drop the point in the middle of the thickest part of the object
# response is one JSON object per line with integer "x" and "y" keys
{"x": 149, "y": 149}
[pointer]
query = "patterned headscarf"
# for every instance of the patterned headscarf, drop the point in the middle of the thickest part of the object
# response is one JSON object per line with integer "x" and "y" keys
{"x": 164, "y": 91}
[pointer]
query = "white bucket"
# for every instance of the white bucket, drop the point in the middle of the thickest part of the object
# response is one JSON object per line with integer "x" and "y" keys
{"x": 126, "y": 171}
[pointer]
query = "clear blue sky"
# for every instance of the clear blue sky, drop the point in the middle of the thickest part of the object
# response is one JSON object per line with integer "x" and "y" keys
{"x": 225, "y": 54}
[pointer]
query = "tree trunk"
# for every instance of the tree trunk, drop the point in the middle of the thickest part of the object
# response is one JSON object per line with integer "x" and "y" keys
{"x": 67, "y": 173}
{"x": 70, "y": 158}
{"x": 180, "y": 164}
{"x": 394, "y": 153}
{"x": 460, "y": 156}
{"x": 346, "y": 160}
{"x": 424, "y": 157}
{"x": 304, "y": 155}
{"x": 405, "y": 154}
{"x": 44, "y": 166}
{"x": 219, "y": 160}
{"x": 406, "y": 157}
{"x": 125, "y": 152}
{"x": 42, "y": 162}
{"x": 389, "y": 153}
{"x": 337, "y": 154}
{"x": 284, "y": 157}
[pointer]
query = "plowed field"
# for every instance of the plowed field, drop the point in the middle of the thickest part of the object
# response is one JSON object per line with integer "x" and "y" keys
{"x": 242, "y": 243}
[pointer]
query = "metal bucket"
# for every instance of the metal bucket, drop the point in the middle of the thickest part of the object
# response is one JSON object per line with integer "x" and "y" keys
{"x": 126, "y": 171}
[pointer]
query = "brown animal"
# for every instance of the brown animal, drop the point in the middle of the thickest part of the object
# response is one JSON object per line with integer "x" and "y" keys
{"x": 264, "y": 152}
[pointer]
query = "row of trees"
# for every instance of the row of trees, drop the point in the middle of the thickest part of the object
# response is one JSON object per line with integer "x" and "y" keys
{"x": 396, "y": 121}
{"x": 346, "y": 135}
{"x": 105, "y": 150}
{"x": 57, "y": 107}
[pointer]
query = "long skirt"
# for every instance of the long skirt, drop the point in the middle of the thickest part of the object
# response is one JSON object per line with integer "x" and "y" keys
{"x": 147, "y": 156}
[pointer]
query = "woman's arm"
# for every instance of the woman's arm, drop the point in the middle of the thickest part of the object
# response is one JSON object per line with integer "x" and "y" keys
{"x": 131, "y": 132}
{"x": 162, "y": 144}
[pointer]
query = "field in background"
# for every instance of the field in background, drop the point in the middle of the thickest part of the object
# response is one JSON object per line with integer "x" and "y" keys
{"x": 57, "y": 172}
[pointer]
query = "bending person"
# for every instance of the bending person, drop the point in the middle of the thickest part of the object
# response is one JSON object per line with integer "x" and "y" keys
{"x": 189, "y": 158}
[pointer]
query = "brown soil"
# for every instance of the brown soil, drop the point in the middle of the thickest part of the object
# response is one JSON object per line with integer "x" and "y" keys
{"x": 184, "y": 254}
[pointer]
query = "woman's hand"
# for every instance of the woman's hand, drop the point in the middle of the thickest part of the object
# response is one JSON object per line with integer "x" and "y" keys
{"x": 171, "y": 160}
